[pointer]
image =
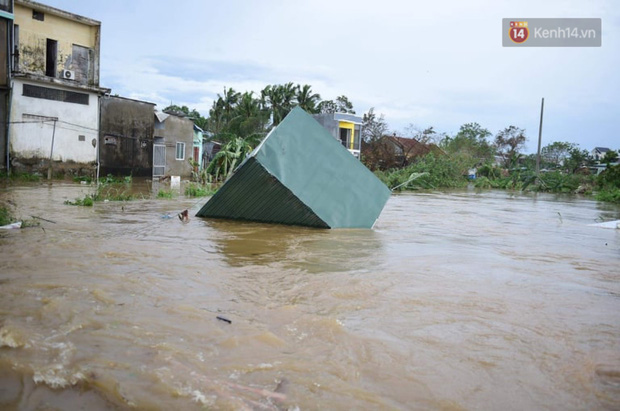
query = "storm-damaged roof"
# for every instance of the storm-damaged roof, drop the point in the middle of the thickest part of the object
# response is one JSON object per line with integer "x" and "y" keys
{"x": 300, "y": 175}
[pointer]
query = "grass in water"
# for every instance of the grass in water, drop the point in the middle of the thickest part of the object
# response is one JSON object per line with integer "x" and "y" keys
{"x": 165, "y": 194}
{"x": 5, "y": 216}
{"x": 103, "y": 193}
{"x": 197, "y": 190}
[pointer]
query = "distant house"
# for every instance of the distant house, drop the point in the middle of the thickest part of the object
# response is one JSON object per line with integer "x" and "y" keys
{"x": 393, "y": 151}
{"x": 346, "y": 128}
{"x": 173, "y": 141}
{"x": 599, "y": 152}
{"x": 407, "y": 149}
{"x": 126, "y": 137}
{"x": 55, "y": 95}
{"x": 209, "y": 150}
{"x": 197, "y": 146}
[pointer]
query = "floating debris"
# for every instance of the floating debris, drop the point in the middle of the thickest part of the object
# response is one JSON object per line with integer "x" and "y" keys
{"x": 608, "y": 224}
{"x": 226, "y": 320}
{"x": 12, "y": 226}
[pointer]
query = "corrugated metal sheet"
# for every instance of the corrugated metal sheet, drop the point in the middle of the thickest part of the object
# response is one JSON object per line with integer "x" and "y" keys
{"x": 301, "y": 175}
{"x": 254, "y": 194}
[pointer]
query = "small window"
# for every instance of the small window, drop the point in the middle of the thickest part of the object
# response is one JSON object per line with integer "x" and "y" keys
{"x": 81, "y": 138}
{"x": 38, "y": 15}
{"x": 180, "y": 151}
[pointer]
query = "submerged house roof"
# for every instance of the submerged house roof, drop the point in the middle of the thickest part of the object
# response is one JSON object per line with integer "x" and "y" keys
{"x": 300, "y": 175}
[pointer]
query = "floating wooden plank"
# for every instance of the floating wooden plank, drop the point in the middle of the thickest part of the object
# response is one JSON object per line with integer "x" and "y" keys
{"x": 300, "y": 175}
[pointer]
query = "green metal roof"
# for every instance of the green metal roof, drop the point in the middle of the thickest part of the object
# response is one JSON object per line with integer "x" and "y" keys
{"x": 301, "y": 175}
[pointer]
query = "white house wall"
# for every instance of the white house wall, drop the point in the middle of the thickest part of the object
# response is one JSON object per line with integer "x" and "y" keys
{"x": 76, "y": 128}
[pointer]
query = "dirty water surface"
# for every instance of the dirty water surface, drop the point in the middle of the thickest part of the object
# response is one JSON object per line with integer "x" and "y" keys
{"x": 454, "y": 301}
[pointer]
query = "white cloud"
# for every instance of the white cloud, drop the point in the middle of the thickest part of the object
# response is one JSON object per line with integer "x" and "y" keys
{"x": 437, "y": 63}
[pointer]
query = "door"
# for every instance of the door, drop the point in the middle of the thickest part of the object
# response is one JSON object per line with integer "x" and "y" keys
{"x": 159, "y": 160}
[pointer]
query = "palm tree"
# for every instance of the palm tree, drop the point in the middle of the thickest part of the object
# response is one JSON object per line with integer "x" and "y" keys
{"x": 230, "y": 99}
{"x": 279, "y": 99}
{"x": 249, "y": 119}
{"x": 306, "y": 99}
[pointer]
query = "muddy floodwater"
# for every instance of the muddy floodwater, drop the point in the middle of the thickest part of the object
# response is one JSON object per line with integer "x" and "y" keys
{"x": 454, "y": 301}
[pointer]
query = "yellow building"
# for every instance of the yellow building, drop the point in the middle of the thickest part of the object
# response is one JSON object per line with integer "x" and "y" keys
{"x": 344, "y": 127}
{"x": 54, "y": 107}
{"x": 56, "y": 44}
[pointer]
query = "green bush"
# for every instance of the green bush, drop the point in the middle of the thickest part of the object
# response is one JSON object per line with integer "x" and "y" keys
{"x": 558, "y": 182}
{"x": 427, "y": 172}
{"x": 489, "y": 171}
{"x": 609, "y": 178}
{"x": 110, "y": 179}
{"x": 5, "y": 216}
{"x": 87, "y": 201}
{"x": 609, "y": 195}
{"x": 197, "y": 190}
{"x": 165, "y": 194}
{"x": 87, "y": 179}
{"x": 103, "y": 193}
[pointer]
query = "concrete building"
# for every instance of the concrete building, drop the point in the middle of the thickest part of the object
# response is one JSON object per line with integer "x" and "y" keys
{"x": 55, "y": 88}
{"x": 173, "y": 141}
{"x": 6, "y": 36}
{"x": 346, "y": 128}
{"x": 126, "y": 137}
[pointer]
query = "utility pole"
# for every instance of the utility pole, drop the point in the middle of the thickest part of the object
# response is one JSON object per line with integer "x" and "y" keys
{"x": 49, "y": 169}
{"x": 542, "y": 107}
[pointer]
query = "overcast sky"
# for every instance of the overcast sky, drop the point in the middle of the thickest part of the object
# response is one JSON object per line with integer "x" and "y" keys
{"x": 434, "y": 63}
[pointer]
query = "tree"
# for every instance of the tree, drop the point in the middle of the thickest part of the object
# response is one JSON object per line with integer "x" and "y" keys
{"x": 279, "y": 99}
{"x": 373, "y": 127}
{"x": 378, "y": 154}
{"x": 229, "y": 101}
{"x": 249, "y": 121}
{"x": 470, "y": 142}
{"x": 340, "y": 105}
{"x": 609, "y": 157}
{"x": 509, "y": 142}
{"x": 307, "y": 100}
{"x": 577, "y": 159}
{"x": 556, "y": 153}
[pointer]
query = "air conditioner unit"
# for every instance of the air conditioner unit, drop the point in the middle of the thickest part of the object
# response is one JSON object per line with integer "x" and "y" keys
{"x": 68, "y": 74}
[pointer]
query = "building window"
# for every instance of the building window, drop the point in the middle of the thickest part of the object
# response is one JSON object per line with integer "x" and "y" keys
{"x": 180, "y": 151}
{"x": 15, "y": 47}
{"x": 38, "y": 15}
{"x": 51, "y": 58}
{"x": 6, "y": 5}
{"x": 345, "y": 137}
{"x": 55, "y": 94}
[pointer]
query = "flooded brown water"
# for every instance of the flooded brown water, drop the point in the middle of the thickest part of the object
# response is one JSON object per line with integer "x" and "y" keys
{"x": 454, "y": 301}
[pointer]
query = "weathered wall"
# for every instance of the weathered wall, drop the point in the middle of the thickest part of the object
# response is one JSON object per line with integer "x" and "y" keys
{"x": 78, "y": 43}
{"x": 3, "y": 126}
{"x": 76, "y": 128}
{"x": 4, "y": 54}
{"x": 5, "y": 26}
{"x": 177, "y": 129}
{"x": 126, "y": 137}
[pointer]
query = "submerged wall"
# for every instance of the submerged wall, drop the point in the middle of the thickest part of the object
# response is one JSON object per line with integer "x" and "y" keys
{"x": 126, "y": 137}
